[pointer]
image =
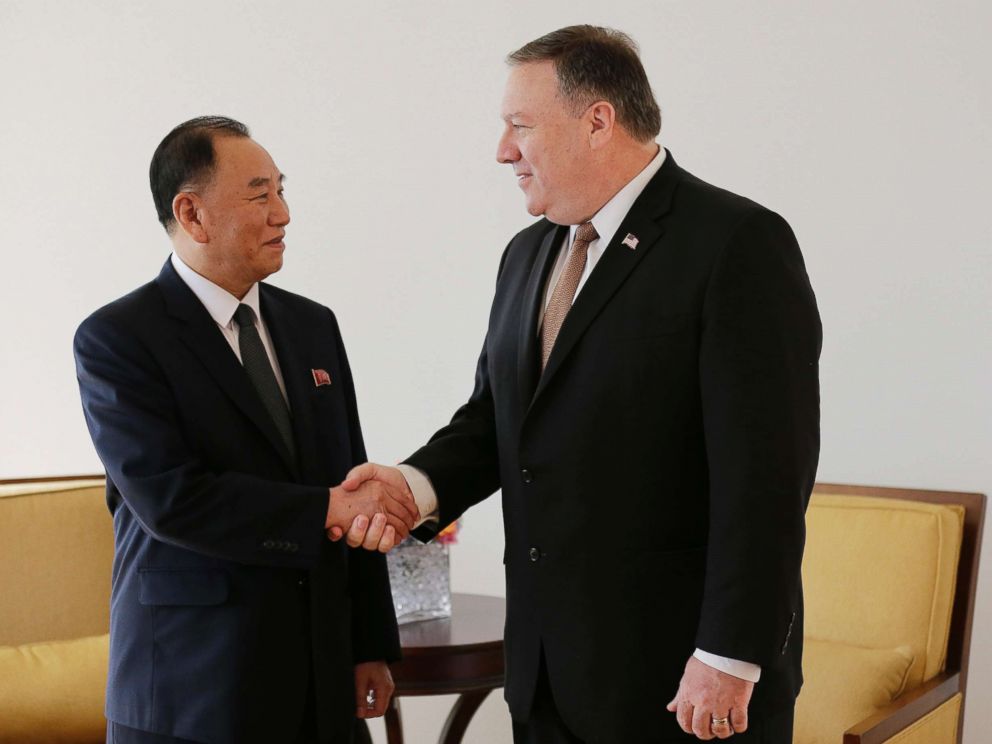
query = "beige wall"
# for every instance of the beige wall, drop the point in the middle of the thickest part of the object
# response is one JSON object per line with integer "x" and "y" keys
{"x": 865, "y": 124}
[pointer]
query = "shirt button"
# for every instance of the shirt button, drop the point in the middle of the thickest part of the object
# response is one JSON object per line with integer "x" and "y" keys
{"x": 527, "y": 476}
{"x": 535, "y": 555}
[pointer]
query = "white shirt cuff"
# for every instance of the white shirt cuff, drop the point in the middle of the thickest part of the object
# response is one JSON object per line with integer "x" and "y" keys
{"x": 423, "y": 493}
{"x": 742, "y": 669}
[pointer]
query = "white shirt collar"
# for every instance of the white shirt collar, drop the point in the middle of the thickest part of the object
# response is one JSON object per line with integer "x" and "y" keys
{"x": 220, "y": 303}
{"x": 607, "y": 220}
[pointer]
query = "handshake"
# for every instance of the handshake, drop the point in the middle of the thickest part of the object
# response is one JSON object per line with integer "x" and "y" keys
{"x": 372, "y": 508}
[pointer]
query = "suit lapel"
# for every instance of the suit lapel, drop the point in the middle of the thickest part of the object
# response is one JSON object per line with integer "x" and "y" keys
{"x": 617, "y": 262}
{"x": 290, "y": 344}
{"x": 200, "y": 333}
{"x": 528, "y": 357}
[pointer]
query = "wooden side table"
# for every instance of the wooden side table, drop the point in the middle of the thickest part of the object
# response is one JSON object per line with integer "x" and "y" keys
{"x": 461, "y": 654}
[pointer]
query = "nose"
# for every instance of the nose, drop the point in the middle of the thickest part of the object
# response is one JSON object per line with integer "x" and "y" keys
{"x": 279, "y": 216}
{"x": 506, "y": 149}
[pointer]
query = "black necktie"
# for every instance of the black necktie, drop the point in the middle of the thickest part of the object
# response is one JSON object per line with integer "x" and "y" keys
{"x": 260, "y": 372}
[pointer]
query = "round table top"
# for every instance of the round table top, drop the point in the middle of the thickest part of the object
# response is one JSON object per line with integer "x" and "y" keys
{"x": 476, "y": 623}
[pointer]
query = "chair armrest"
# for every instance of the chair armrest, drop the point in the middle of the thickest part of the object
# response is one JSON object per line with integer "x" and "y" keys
{"x": 912, "y": 706}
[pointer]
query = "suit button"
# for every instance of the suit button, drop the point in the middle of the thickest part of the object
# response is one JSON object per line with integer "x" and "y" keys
{"x": 268, "y": 545}
{"x": 527, "y": 476}
{"x": 535, "y": 555}
{"x": 302, "y": 581}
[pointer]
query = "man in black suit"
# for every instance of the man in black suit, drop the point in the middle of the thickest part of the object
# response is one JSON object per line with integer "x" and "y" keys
{"x": 222, "y": 410}
{"x": 647, "y": 400}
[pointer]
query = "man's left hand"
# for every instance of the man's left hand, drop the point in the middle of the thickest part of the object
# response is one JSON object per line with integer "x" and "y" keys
{"x": 373, "y": 688}
{"x": 706, "y": 694}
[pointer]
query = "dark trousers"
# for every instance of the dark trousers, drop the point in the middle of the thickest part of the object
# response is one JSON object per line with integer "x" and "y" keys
{"x": 546, "y": 726}
{"x": 117, "y": 734}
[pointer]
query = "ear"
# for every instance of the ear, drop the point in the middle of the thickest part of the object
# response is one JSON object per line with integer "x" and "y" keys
{"x": 602, "y": 118}
{"x": 187, "y": 209}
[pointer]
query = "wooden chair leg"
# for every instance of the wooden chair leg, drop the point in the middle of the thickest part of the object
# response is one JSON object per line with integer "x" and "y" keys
{"x": 394, "y": 722}
{"x": 458, "y": 719}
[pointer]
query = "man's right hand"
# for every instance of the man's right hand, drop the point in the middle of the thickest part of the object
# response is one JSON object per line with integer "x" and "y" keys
{"x": 380, "y": 511}
{"x": 374, "y": 535}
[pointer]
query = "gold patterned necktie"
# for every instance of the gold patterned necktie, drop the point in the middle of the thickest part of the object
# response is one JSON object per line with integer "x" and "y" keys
{"x": 568, "y": 282}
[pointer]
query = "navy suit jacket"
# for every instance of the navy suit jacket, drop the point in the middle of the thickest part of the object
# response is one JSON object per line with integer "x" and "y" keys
{"x": 655, "y": 476}
{"x": 228, "y": 598}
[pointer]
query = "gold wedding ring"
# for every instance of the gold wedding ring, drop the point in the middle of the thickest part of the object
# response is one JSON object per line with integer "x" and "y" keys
{"x": 714, "y": 721}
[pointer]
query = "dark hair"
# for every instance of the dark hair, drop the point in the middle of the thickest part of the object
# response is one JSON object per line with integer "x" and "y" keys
{"x": 186, "y": 157}
{"x": 594, "y": 63}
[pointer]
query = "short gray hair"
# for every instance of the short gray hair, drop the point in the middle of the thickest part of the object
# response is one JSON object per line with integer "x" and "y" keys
{"x": 595, "y": 63}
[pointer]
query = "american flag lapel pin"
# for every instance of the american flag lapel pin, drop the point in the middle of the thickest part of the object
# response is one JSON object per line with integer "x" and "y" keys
{"x": 631, "y": 241}
{"x": 320, "y": 377}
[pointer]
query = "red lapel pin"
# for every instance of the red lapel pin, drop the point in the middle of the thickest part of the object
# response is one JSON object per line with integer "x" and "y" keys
{"x": 320, "y": 377}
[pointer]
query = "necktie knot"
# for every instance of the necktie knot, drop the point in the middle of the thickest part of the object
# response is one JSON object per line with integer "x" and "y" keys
{"x": 586, "y": 233}
{"x": 244, "y": 316}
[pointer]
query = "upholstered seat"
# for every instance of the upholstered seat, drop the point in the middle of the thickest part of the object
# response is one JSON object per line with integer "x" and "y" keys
{"x": 56, "y": 550}
{"x": 881, "y": 577}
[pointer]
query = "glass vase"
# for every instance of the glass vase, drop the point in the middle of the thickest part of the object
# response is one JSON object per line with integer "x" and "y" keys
{"x": 420, "y": 580}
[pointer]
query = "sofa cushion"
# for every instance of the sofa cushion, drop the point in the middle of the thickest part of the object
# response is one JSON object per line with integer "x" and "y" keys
{"x": 880, "y": 573}
{"x": 54, "y": 692}
{"x": 61, "y": 577}
{"x": 845, "y": 684}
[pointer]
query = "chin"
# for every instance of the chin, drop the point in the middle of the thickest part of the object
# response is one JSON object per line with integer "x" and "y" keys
{"x": 271, "y": 267}
{"x": 553, "y": 215}
{"x": 534, "y": 208}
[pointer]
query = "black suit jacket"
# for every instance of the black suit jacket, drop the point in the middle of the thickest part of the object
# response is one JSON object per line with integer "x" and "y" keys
{"x": 226, "y": 591}
{"x": 655, "y": 477}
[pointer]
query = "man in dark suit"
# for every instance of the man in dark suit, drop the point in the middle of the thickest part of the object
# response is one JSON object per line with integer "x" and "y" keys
{"x": 222, "y": 410}
{"x": 647, "y": 400}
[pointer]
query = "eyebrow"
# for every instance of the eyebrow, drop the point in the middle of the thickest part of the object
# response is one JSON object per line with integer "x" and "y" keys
{"x": 256, "y": 182}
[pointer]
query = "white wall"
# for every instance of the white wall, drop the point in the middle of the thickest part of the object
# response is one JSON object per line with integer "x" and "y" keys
{"x": 865, "y": 124}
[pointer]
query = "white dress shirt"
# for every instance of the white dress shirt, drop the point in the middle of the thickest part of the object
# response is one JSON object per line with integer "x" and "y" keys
{"x": 606, "y": 221}
{"x": 221, "y": 305}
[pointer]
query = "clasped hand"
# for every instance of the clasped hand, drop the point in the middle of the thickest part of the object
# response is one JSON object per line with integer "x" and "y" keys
{"x": 373, "y": 508}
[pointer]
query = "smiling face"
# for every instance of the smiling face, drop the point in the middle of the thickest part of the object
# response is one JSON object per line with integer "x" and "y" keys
{"x": 238, "y": 218}
{"x": 547, "y": 145}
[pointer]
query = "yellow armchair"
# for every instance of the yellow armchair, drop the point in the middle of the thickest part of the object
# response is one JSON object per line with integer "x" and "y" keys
{"x": 889, "y": 578}
{"x": 56, "y": 552}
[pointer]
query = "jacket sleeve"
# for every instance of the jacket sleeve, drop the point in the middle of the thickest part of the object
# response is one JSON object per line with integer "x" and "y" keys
{"x": 758, "y": 368}
{"x": 131, "y": 414}
{"x": 462, "y": 459}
